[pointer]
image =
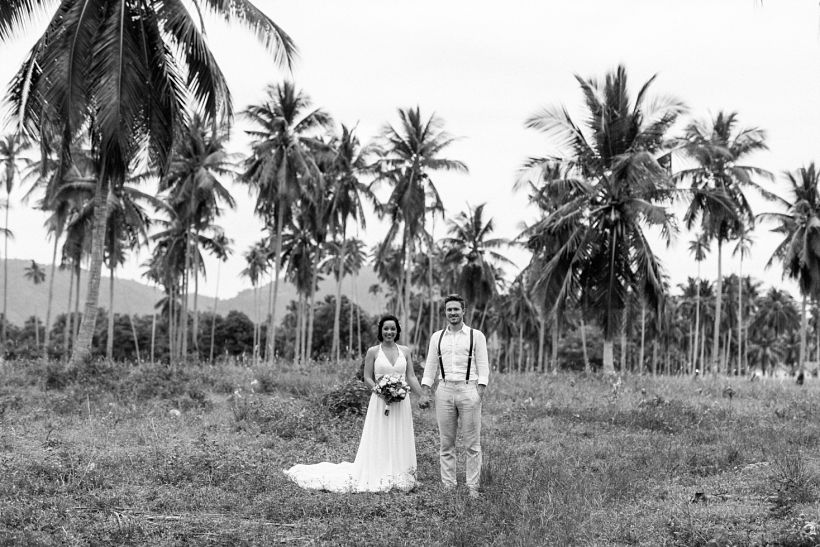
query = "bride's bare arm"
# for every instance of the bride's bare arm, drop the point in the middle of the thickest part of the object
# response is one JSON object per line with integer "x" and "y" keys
{"x": 369, "y": 360}
{"x": 410, "y": 373}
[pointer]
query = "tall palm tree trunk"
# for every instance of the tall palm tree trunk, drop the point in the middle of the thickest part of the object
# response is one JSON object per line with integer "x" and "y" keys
{"x": 697, "y": 323}
{"x": 6, "y": 272}
{"x": 692, "y": 351}
{"x": 77, "y": 277}
{"x": 336, "y": 349}
{"x": 213, "y": 318}
{"x": 816, "y": 341}
{"x": 740, "y": 317}
{"x": 554, "y": 348}
{"x": 172, "y": 325}
{"x": 727, "y": 340}
{"x": 520, "y": 348}
{"x": 609, "y": 356}
{"x": 47, "y": 337}
{"x": 255, "y": 325}
{"x": 68, "y": 329}
{"x": 303, "y": 329}
{"x": 804, "y": 324}
{"x": 154, "y": 326}
{"x": 624, "y": 355}
{"x": 718, "y": 304}
{"x": 350, "y": 330}
{"x": 109, "y": 345}
{"x": 643, "y": 337}
{"x": 297, "y": 338}
{"x": 195, "y": 329}
{"x": 417, "y": 330}
{"x": 312, "y": 311}
{"x": 172, "y": 335}
{"x": 542, "y": 342}
{"x": 358, "y": 316}
{"x": 655, "y": 357}
{"x": 430, "y": 282}
{"x": 82, "y": 349}
{"x": 265, "y": 352}
{"x": 584, "y": 346}
{"x": 136, "y": 340}
{"x": 408, "y": 269}
{"x": 185, "y": 295}
{"x": 276, "y": 267}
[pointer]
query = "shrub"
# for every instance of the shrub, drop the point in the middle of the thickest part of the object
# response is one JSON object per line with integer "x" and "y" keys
{"x": 350, "y": 397}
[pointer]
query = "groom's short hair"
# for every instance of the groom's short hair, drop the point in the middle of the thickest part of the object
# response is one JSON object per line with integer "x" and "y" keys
{"x": 455, "y": 298}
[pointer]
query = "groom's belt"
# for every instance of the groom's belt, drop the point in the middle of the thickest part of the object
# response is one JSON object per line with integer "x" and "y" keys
{"x": 458, "y": 382}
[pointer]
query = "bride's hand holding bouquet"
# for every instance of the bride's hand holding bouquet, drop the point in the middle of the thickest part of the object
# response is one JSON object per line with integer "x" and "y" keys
{"x": 391, "y": 389}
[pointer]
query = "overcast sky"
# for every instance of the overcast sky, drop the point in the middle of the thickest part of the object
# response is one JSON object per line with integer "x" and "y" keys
{"x": 484, "y": 66}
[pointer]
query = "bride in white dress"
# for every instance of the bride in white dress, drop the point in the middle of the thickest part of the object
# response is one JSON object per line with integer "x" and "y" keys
{"x": 387, "y": 451}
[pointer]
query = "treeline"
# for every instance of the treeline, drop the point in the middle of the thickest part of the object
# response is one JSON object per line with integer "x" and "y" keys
{"x": 145, "y": 338}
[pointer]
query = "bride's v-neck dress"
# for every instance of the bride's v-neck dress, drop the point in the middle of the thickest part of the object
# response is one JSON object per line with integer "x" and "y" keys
{"x": 387, "y": 451}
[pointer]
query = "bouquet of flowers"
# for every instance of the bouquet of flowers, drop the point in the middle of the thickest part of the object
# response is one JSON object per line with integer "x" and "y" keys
{"x": 391, "y": 389}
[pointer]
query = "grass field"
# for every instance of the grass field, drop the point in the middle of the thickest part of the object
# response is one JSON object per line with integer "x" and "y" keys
{"x": 122, "y": 455}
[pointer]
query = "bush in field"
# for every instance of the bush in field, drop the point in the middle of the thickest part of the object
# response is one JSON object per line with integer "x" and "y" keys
{"x": 350, "y": 397}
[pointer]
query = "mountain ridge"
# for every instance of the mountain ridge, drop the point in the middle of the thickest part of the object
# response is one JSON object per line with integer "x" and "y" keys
{"x": 132, "y": 297}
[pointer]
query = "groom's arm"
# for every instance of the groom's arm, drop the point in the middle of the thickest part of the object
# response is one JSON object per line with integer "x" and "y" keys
{"x": 482, "y": 362}
{"x": 430, "y": 366}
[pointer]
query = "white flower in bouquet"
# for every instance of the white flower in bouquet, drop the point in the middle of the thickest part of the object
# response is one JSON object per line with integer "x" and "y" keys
{"x": 391, "y": 389}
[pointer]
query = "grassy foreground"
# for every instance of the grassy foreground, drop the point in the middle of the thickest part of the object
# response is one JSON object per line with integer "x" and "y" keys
{"x": 148, "y": 456}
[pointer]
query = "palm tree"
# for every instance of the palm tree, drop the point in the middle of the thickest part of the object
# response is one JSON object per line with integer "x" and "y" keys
{"x": 744, "y": 249}
{"x": 298, "y": 252}
{"x": 698, "y": 247}
{"x": 717, "y": 182}
{"x": 800, "y": 249}
{"x": 281, "y": 165}
{"x": 408, "y": 155}
{"x": 612, "y": 187}
{"x": 221, "y": 249}
{"x": 12, "y": 148}
{"x": 126, "y": 228}
{"x": 195, "y": 194}
{"x": 544, "y": 244}
{"x": 63, "y": 197}
{"x": 36, "y": 275}
{"x": 257, "y": 259}
{"x": 349, "y": 163}
{"x": 776, "y": 316}
{"x": 122, "y": 71}
{"x": 472, "y": 243}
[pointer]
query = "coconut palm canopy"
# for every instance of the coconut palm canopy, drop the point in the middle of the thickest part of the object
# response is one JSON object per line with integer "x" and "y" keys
{"x": 118, "y": 91}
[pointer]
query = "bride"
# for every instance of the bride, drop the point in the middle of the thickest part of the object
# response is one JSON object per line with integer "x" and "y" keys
{"x": 387, "y": 451}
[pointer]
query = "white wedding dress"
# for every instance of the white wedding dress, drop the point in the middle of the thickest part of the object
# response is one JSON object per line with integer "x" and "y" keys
{"x": 387, "y": 451}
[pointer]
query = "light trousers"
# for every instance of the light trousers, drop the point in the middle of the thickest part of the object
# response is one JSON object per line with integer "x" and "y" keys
{"x": 457, "y": 401}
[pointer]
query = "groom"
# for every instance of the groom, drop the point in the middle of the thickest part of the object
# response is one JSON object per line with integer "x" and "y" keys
{"x": 457, "y": 357}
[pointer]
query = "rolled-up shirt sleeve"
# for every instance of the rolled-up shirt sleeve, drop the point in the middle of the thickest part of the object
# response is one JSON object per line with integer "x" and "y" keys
{"x": 431, "y": 364}
{"x": 482, "y": 360}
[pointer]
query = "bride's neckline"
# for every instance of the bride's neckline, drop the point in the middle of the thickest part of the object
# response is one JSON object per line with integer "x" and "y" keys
{"x": 381, "y": 348}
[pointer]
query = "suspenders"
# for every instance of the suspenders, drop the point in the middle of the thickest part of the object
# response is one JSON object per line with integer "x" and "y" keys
{"x": 469, "y": 355}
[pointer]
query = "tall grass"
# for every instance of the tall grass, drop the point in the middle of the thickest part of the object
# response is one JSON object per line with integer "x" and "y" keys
{"x": 140, "y": 455}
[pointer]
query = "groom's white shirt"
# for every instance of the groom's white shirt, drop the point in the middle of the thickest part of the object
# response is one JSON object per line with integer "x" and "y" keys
{"x": 454, "y": 351}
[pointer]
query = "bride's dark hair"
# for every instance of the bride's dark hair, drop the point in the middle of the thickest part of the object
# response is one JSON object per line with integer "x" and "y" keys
{"x": 383, "y": 320}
